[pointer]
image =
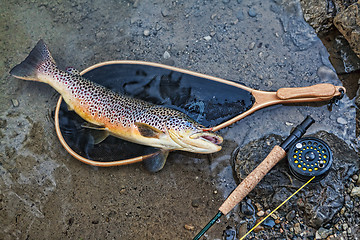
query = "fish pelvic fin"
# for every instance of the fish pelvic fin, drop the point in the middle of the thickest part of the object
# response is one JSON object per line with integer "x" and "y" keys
{"x": 156, "y": 162}
{"x": 38, "y": 59}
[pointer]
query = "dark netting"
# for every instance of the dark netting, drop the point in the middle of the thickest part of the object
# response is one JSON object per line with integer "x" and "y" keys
{"x": 209, "y": 102}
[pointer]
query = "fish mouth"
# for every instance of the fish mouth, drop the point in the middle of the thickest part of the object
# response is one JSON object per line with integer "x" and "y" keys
{"x": 213, "y": 139}
{"x": 198, "y": 142}
{"x": 208, "y": 136}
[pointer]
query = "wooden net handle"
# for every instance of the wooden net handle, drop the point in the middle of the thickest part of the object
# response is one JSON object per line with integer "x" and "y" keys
{"x": 323, "y": 90}
{"x": 249, "y": 183}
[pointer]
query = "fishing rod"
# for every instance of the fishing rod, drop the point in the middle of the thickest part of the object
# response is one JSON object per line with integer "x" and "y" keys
{"x": 276, "y": 154}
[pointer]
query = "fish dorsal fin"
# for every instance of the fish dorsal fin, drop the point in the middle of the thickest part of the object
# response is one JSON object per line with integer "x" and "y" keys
{"x": 72, "y": 71}
{"x": 98, "y": 133}
{"x": 156, "y": 163}
{"x": 148, "y": 131}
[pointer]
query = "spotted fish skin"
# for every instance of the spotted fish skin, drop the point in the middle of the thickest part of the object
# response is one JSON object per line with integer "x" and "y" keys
{"x": 128, "y": 118}
{"x": 117, "y": 112}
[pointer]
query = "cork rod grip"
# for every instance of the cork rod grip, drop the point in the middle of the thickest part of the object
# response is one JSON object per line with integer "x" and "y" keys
{"x": 249, "y": 183}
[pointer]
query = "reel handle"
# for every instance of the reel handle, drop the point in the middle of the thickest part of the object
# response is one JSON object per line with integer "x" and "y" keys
{"x": 297, "y": 133}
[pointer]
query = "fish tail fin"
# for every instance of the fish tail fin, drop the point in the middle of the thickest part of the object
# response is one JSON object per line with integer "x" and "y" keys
{"x": 38, "y": 60}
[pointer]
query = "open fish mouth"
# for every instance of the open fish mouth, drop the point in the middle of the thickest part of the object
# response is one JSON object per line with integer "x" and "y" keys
{"x": 213, "y": 139}
{"x": 208, "y": 136}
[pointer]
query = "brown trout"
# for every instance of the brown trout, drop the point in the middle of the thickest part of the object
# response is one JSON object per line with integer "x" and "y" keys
{"x": 122, "y": 116}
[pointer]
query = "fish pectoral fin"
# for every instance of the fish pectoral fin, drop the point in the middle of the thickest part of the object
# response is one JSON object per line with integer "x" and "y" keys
{"x": 98, "y": 133}
{"x": 148, "y": 131}
{"x": 156, "y": 162}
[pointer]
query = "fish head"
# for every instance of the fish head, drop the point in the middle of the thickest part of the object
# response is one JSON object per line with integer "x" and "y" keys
{"x": 192, "y": 137}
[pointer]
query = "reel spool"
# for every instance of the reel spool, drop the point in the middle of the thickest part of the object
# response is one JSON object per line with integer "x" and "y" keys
{"x": 309, "y": 157}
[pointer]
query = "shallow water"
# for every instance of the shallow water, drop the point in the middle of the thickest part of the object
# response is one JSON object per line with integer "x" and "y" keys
{"x": 44, "y": 192}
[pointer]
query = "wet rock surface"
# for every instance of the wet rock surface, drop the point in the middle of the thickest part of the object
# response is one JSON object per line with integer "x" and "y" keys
{"x": 337, "y": 22}
{"x": 319, "y": 14}
{"x": 44, "y": 192}
{"x": 348, "y": 23}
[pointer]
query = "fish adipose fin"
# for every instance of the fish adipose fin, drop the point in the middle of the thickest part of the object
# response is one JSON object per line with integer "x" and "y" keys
{"x": 148, "y": 131}
{"x": 156, "y": 162}
{"x": 73, "y": 71}
{"x": 29, "y": 68}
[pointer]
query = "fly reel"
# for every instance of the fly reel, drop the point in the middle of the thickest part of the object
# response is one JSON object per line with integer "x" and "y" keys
{"x": 309, "y": 157}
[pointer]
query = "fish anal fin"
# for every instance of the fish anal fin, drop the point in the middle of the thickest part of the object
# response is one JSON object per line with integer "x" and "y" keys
{"x": 93, "y": 126}
{"x": 148, "y": 131}
{"x": 156, "y": 162}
